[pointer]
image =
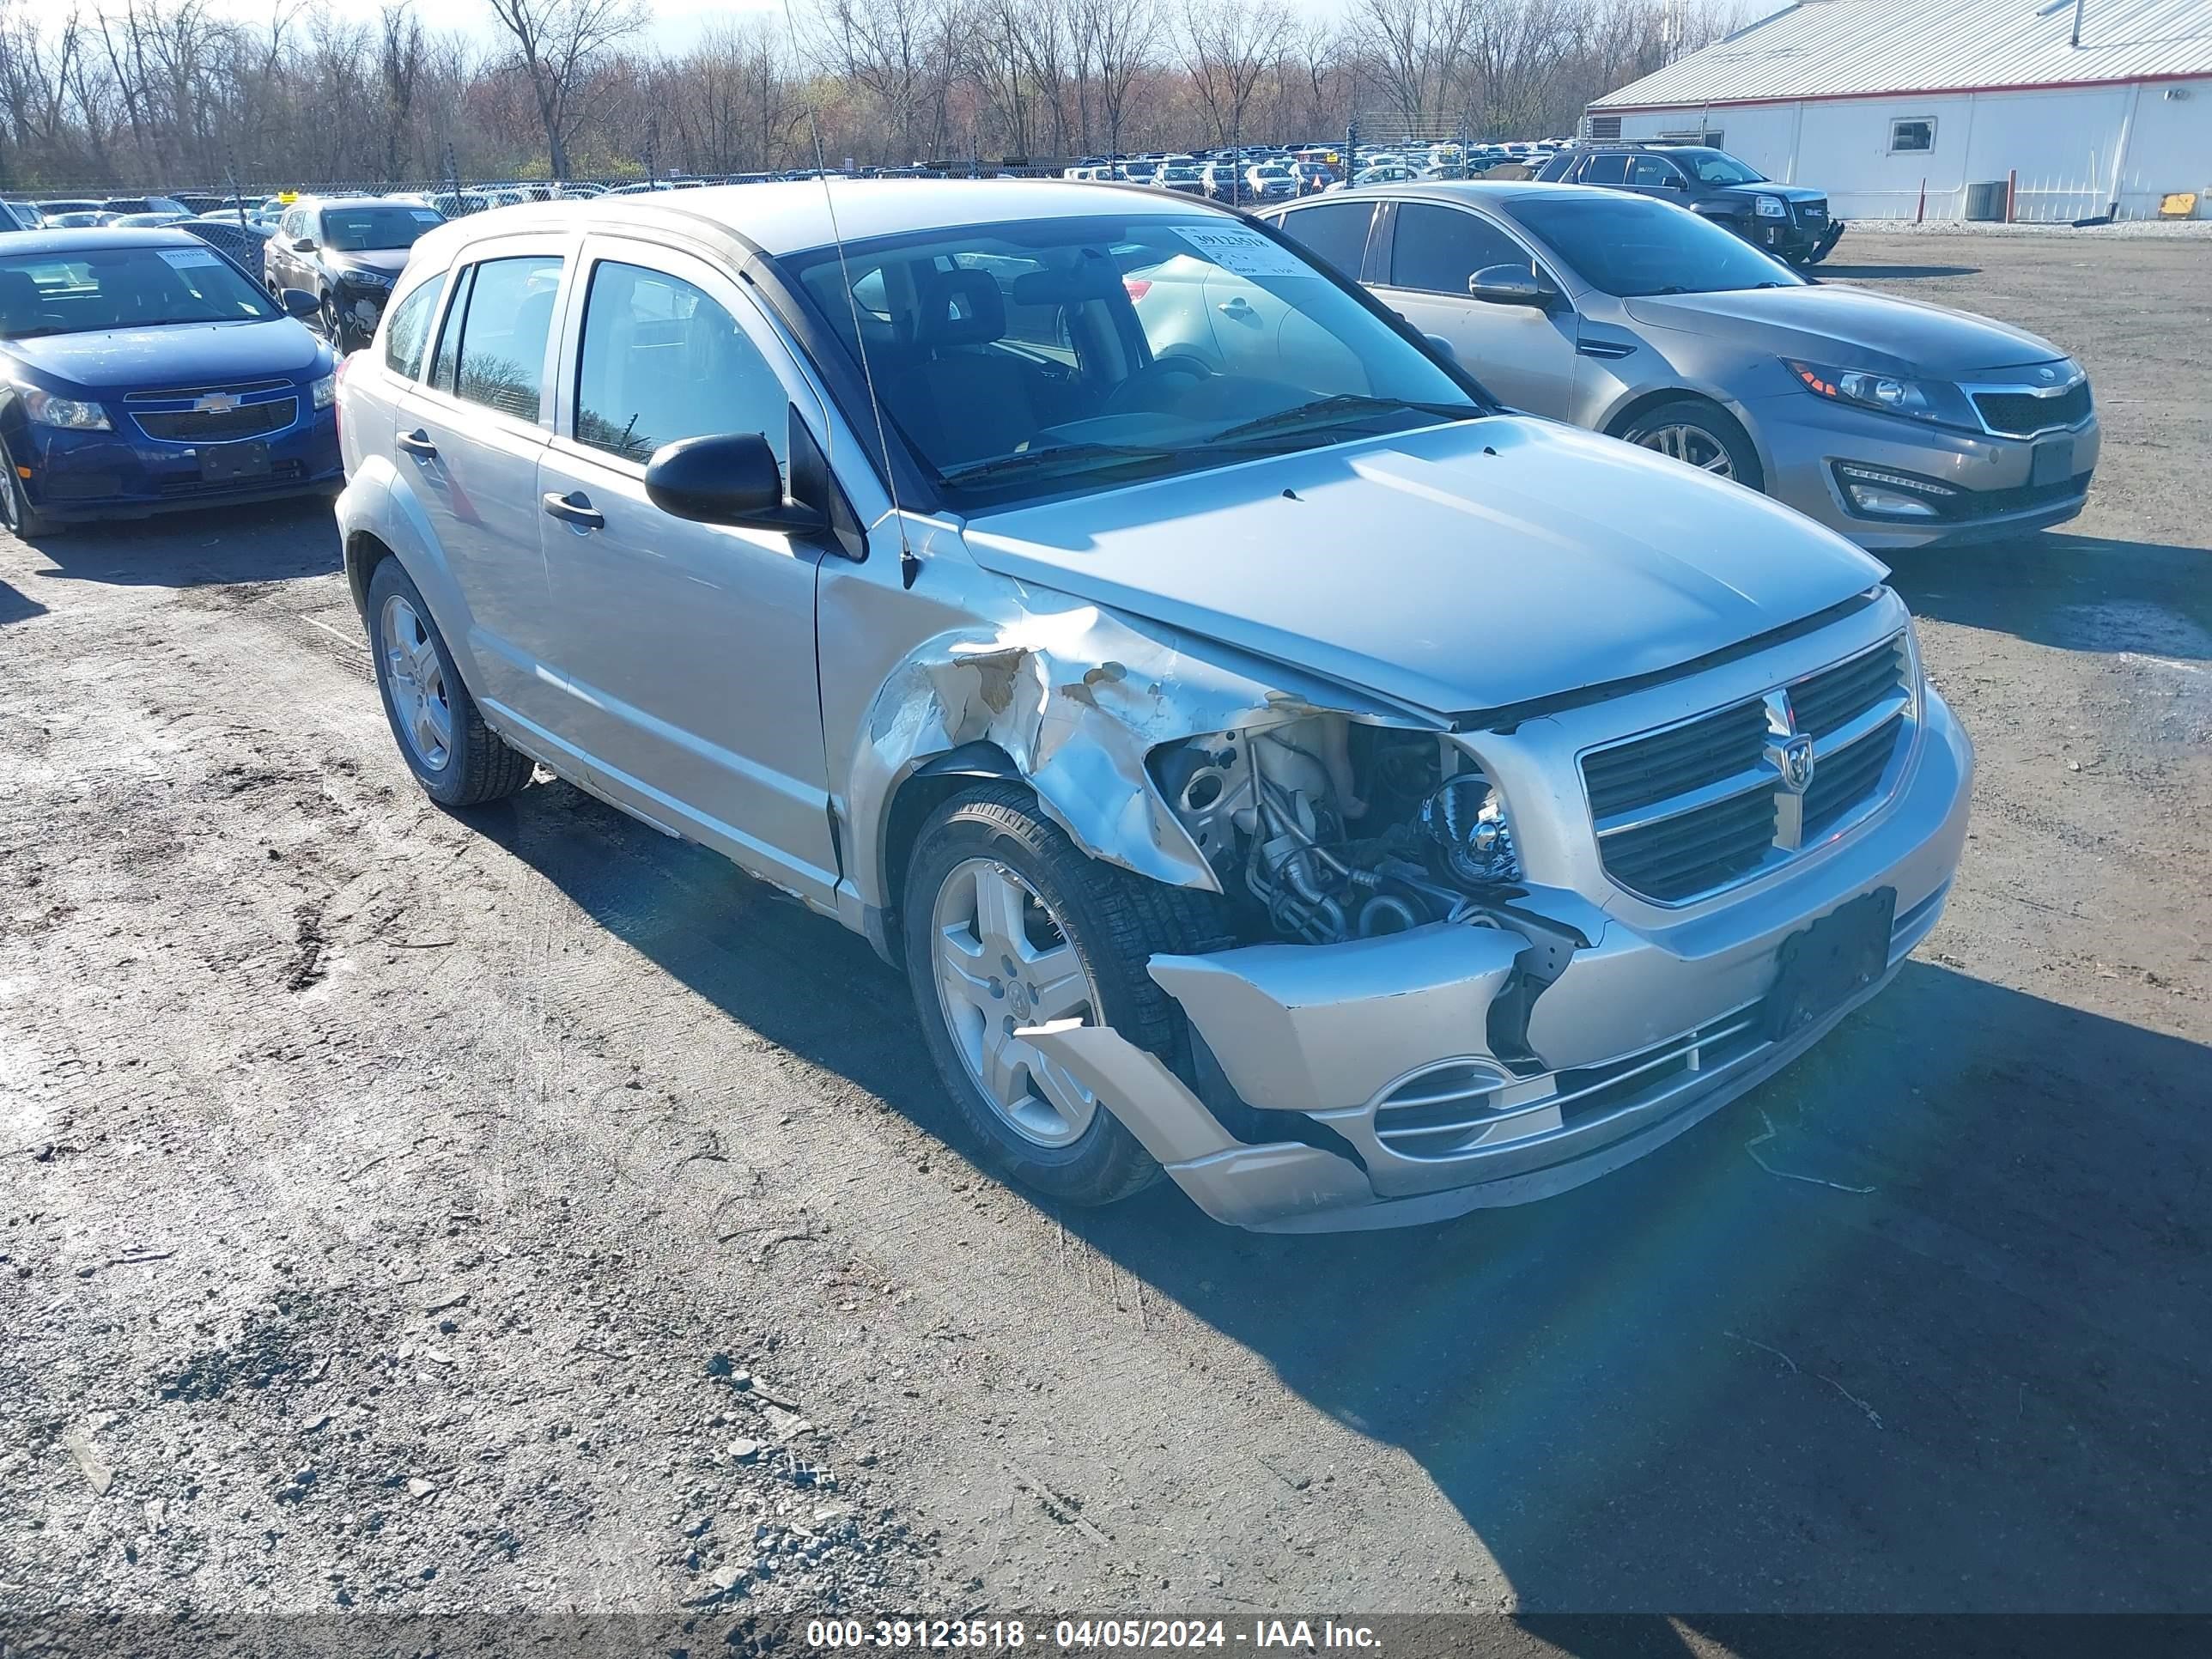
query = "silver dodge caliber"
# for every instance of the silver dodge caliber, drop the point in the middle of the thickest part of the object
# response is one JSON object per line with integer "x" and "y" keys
{"x": 1269, "y": 762}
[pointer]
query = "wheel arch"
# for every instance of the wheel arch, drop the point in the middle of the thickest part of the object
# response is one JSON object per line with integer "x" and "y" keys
{"x": 1624, "y": 414}
{"x": 919, "y": 793}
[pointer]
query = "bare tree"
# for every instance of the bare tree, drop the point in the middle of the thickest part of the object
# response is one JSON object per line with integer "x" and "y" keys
{"x": 399, "y": 61}
{"x": 558, "y": 45}
{"x": 1227, "y": 46}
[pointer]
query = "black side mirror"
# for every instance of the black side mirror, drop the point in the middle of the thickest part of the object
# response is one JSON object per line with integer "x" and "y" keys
{"x": 1512, "y": 285}
{"x": 730, "y": 478}
{"x": 303, "y": 245}
{"x": 298, "y": 302}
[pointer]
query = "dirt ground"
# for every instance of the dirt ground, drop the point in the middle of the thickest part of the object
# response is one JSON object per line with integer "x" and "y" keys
{"x": 522, "y": 1212}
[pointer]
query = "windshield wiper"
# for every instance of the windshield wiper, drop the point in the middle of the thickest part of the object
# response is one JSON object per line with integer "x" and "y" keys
{"x": 1080, "y": 457}
{"x": 1336, "y": 411}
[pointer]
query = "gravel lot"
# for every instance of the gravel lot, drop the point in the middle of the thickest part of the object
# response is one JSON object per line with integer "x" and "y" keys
{"x": 525, "y": 1212}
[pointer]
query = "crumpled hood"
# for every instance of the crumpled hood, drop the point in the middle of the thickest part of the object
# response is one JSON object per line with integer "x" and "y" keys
{"x": 1462, "y": 568}
{"x": 1843, "y": 327}
{"x": 182, "y": 355}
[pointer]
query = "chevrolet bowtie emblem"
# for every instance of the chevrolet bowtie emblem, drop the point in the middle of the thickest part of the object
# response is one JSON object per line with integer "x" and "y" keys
{"x": 216, "y": 402}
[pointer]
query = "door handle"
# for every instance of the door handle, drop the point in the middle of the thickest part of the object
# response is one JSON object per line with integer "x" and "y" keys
{"x": 1239, "y": 307}
{"x": 575, "y": 507}
{"x": 417, "y": 442}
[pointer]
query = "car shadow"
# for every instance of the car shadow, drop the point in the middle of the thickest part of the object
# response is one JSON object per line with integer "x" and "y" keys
{"x": 265, "y": 541}
{"x": 16, "y": 605}
{"x": 1891, "y": 273}
{"x": 1917, "y": 1325}
{"x": 2077, "y": 593}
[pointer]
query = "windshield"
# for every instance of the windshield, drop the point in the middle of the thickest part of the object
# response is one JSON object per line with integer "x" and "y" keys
{"x": 1717, "y": 166}
{"x": 1632, "y": 247}
{"x": 1070, "y": 354}
{"x": 80, "y": 291}
{"x": 351, "y": 230}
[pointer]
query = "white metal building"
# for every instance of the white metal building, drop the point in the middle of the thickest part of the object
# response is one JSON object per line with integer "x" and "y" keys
{"x": 2092, "y": 106}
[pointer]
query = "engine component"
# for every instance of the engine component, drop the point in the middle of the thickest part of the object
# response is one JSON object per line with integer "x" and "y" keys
{"x": 1465, "y": 821}
{"x": 1334, "y": 833}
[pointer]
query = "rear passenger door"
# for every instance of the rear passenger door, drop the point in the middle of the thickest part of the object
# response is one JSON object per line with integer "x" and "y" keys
{"x": 1335, "y": 233}
{"x": 466, "y": 448}
{"x": 1524, "y": 354}
{"x": 691, "y": 669}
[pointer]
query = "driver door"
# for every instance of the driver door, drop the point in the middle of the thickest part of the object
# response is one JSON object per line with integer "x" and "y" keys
{"x": 1523, "y": 354}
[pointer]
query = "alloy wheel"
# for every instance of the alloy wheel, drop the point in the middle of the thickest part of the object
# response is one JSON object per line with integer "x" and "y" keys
{"x": 1004, "y": 962}
{"x": 1692, "y": 444}
{"x": 415, "y": 679}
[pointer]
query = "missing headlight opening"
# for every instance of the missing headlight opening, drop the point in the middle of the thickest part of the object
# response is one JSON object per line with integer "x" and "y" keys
{"x": 1325, "y": 830}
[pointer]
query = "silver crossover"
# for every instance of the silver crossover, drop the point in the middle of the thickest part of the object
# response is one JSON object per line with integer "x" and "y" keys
{"x": 1267, "y": 761}
{"x": 1899, "y": 424}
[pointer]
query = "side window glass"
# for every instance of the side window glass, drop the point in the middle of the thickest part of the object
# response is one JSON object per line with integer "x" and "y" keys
{"x": 1437, "y": 248}
{"x": 1650, "y": 170}
{"x": 1612, "y": 169}
{"x": 449, "y": 340}
{"x": 1335, "y": 232}
{"x": 662, "y": 360}
{"x": 408, "y": 325}
{"x": 502, "y": 338}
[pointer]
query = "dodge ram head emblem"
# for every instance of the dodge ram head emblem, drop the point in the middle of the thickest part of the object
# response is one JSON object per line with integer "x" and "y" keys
{"x": 216, "y": 402}
{"x": 1798, "y": 764}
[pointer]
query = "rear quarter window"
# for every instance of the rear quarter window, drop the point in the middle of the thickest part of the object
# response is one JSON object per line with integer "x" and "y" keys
{"x": 407, "y": 327}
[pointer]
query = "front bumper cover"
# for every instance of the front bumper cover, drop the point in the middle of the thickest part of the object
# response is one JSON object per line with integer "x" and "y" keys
{"x": 78, "y": 476}
{"x": 1384, "y": 1044}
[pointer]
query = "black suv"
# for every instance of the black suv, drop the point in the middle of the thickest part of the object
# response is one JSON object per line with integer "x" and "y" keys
{"x": 1786, "y": 220}
{"x": 347, "y": 252}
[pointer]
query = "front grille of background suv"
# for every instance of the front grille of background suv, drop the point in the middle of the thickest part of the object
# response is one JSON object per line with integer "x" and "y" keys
{"x": 1687, "y": 810}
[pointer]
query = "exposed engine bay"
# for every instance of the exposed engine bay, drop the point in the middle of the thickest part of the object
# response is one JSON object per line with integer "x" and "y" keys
{"x": 1329, "y": 830}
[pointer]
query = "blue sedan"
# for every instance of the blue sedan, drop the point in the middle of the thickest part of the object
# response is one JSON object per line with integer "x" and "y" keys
{"x": 140, "y": 370}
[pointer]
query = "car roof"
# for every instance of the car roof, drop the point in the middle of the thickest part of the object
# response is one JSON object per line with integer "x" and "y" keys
{"x": 350, "y": 202}
{"x": 788, "y": 216}
{"x": 68, "y": 241}
{"x": 1497, "y": 191}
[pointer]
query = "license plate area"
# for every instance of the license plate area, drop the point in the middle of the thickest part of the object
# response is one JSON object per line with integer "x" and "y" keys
{"x": 233, "y": 463}
{"x": 2052, "y": 461}
{"x": 1820, "y": 968}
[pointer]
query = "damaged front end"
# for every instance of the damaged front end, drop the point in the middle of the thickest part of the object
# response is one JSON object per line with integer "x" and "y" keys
{"x": 1414, "y": 1028}
{"x": 1435, "y": 1001}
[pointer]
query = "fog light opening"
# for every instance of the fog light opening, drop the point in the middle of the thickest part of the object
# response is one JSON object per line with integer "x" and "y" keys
{"x": 1878, "y": 493}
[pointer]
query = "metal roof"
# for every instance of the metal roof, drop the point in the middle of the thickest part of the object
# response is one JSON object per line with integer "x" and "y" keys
{"x": 1863, "y": 48}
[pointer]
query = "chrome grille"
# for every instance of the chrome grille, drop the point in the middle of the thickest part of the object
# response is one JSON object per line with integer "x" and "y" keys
{"x": 186, "y": 394}
{"x": 1689, "y": 809}
{"x": 2023, "y": 414}
{"x": 1685, "y": 809}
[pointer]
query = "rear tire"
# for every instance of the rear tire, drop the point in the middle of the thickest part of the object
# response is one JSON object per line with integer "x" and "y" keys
{"x": 1070, "y": 940}
{"x": 457, "y": 758}
{"x": 1701, "y": 434}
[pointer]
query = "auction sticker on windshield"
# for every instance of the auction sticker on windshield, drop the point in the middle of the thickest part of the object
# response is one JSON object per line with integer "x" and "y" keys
{"x": 1246, "y": 253}
{"x": 184, "y": 258}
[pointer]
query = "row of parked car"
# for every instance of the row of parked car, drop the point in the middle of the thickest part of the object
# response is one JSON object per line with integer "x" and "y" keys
{"x": 970, "y": 560}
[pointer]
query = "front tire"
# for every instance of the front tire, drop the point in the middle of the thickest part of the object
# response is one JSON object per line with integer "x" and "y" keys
{"x": 457, "y": 758}
{"x": 1005, "y": 925}
{"x": 22, "y": 520}
{"x": 1698, "y": 433}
